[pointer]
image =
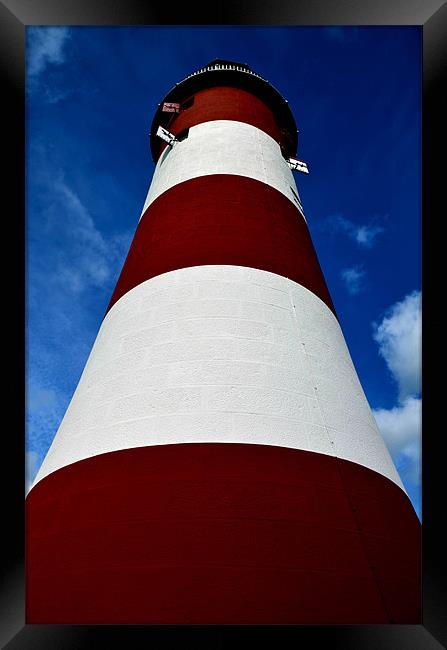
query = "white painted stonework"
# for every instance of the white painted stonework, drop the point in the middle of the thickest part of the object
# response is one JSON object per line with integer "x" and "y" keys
{"x": 223, "y": 147}
{"x": 220, "y": 354}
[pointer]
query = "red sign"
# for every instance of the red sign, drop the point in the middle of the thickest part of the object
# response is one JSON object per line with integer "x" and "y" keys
{"x": 171, "y": 108}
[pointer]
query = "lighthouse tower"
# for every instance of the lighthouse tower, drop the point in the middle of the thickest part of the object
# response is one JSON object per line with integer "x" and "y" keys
{"x": 219, "y": 462}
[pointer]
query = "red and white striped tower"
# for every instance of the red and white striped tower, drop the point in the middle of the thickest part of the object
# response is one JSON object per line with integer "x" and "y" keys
{"x": 219, "y": 462}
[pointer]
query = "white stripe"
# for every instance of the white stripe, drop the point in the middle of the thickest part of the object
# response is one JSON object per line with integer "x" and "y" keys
{"x": 223, "y": 147}
{"x": 220, "y": 354}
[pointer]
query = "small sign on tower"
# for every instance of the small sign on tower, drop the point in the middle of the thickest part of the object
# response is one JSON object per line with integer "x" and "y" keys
{"x": 166, "y": 136}
{"x": 298, "y": 165}
{"x": 169, "y": 107}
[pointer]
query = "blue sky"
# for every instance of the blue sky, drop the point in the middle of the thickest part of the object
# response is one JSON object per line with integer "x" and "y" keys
{"x": 356, "y": 96}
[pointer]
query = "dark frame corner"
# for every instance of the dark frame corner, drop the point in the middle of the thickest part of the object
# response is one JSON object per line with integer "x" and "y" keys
{"x": 15, "y": 16}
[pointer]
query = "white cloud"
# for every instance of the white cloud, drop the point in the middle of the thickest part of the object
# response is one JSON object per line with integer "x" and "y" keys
{"x": 400, "y": 425}
{"x": 46, "y": 45}
{"x": 73, "y": 261}
{"x": 89, "y": 259}
{"x": 401, "y": 430}
{"x": 85, "y": 227}
{"x": 353, "y": 279}
{"x": 399, "y": 339}
{"x": 39, "y": 398}
{"x": 365, "y": 235}
{"x": 70, "y": 259}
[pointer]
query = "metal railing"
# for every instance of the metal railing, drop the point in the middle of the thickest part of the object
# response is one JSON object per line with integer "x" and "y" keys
{"x": 225, "y": 66}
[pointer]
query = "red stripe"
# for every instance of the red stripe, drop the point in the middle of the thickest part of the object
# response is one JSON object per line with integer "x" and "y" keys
{"x": 220, "y": 534}
{"x": 225, "y": 103}
{"x": 222, "y": 219}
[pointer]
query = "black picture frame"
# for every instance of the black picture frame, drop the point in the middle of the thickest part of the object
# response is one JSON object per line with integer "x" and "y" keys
{"x": 15, "y": 16}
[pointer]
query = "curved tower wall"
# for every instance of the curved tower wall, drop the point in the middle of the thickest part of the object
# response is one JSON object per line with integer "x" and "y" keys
{"x": 219, "y": 462}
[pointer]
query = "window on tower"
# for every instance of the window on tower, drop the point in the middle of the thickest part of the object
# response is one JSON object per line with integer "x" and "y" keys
{"x": 296, "y": 198}
{"x": 182, "y": 135}
{"x": 187, "y": 104}
{"x": 164, "y": 155}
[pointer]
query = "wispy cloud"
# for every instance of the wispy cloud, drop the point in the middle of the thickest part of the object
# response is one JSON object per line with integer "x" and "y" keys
{"x": 88, "y": 258}
{"x": 364, "y": 235}
{"x": 91, "y": 257}
{"x": 45, "y": 52}
{"x": 76, "y": 260}
{"x": 353, "y": 279}
{"x": 46, "y": 46}
{"x": 399, "y": 338}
